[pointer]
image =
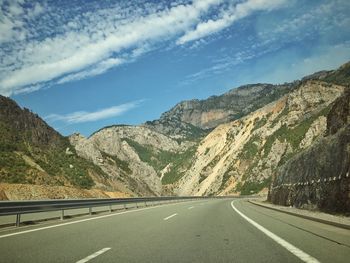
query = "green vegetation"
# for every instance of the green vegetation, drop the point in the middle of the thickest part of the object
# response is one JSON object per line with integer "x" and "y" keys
{"x": 225, "y": 178}
{"x": 12, "y": 168}
{"x": 284, "y": 112}
{"x": 213, "y": 162}
{"x": 158, "y": 159}
{"x": 180, "y": 163}
{"x": 249, "y": 188}
{"x": 293, "y": 135}
{"x": 72, "y": 167}
{"x": 250, "y": 149}
{"x": 113, "y": 159}
{"x": 340, "y": 76}
{"x": 52, "y": 159}
{"x": 202, "y": 177}
{"x": 258, "y": 123}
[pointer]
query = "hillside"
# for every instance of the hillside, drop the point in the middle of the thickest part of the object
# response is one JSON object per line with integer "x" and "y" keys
{"x": 31, "y": 152}
{"x": 239, "y": 157}
{"x": 228, "y": 144}
{"x": 318, "y": 177}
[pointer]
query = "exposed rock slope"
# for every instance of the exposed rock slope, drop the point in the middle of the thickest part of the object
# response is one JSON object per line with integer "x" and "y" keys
{"x": 241, "y": 156}
{"x": 318, "y": 178}
{"x": 136, "y": 155}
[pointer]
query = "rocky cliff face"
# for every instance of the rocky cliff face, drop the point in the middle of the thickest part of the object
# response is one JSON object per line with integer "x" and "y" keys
{"x": 318, "y": 177}
{"x": 190, "y": 119}
{"x": 135, "y": 155}
{"x": 239, "y": 157}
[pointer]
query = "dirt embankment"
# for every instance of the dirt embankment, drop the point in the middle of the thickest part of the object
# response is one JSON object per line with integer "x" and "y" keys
{"x": 39, "y": 192}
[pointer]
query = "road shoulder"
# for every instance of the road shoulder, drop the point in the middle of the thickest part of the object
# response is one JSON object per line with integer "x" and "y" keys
{"x": 334, "y": 220}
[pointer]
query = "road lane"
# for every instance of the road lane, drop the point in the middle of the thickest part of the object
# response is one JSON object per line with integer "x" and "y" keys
{"x": 213, "y": 232}
{"x": 325, "y": 242}
{"x": 291, "y": 248}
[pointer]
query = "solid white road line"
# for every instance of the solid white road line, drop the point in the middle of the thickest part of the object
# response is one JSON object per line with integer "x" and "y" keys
{"x": 170, "y": 216}
{"x": 190, "y": 207}
{"x": 96, "y": 254}
{"x": 294, "y": 250}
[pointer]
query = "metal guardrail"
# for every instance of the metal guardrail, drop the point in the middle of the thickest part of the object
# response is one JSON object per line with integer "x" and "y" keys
{"x": 25, "y": 207}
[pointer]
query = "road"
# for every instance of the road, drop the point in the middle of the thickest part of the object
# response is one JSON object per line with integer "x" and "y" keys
{"x": 218, "y": 230}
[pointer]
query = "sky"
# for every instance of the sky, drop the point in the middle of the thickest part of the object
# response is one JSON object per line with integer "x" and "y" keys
{"x": 82, "y": 65}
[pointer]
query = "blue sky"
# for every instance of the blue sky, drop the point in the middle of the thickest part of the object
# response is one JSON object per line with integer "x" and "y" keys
{"x": 82, "y": 65}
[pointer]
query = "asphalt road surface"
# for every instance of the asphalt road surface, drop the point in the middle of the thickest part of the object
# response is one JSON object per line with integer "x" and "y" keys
{"x": 218, "y": 230}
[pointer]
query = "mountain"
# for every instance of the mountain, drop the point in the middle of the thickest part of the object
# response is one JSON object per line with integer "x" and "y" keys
{"x": 135, "y": 155}
{"x": 240, "y": 156}
{"x": 149, "y": 159}
{"x": 194, "y": 118}
{"x": 235, "y": 143}
{"x": 33, "y": 153}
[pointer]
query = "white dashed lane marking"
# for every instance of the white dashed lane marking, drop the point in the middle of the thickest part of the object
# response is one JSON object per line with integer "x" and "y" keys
{"x": 170, "y": 216}
{"x": 96, "y": 254}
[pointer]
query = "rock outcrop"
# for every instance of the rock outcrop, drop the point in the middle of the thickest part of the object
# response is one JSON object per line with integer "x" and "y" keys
{"x": 135, "y": 155}
{"x": 193, "y": 118}
{"x": 318, "y": 178}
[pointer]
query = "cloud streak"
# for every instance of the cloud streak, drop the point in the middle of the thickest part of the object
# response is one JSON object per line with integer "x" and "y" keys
{"x": 234, "y": 13}
{"x": 84, "y": 116}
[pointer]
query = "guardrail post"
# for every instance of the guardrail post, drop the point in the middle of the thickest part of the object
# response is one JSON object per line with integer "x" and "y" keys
{"x": 125, "y": 206}
{"x": 145, "y": 203}
{"x": 110, "y": 208}
{"x": 18, "y": 220}
{"x": 62, "y": 214}
{"x": 90, "y": 210}
{"x": 136, "y": 205}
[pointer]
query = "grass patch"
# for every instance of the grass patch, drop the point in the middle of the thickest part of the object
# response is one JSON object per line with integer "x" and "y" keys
{"x": 250, "y": 149}
{"x": 258, "y": 123}
{"x": 180, "y": 164}
{"x": 293, "y": 135}
{"x": 249, "y": 188}
{"x": 123, "y": 165}
{"x": 225, "y": 178}
{"x": 158, "y": 159}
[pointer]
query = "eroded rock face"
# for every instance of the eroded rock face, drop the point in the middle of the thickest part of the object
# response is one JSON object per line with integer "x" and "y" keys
{"x": 339, "y": 116}
{"x": 121, "y": 151}
{"x": 317, "y": 129}
{"x": 241, "y": 156}
{"x": 318, "y": 177}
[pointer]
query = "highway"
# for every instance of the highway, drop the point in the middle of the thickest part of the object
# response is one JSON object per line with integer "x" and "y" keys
{"x": 215, "y": 230}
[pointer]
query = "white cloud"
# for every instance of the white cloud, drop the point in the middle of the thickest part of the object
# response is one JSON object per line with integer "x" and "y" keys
{"x": 100, "y": 68}
{"x": 89, "y": 39}
{"x": 234, "y": 13}
{"x": 84, "y": 116}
